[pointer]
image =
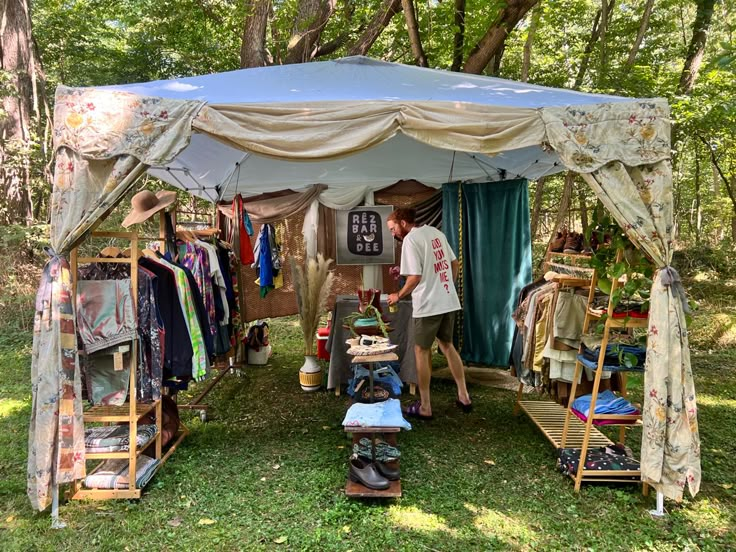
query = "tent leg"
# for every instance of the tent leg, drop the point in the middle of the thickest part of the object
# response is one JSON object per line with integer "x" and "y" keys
{"x": 659, "y": 512}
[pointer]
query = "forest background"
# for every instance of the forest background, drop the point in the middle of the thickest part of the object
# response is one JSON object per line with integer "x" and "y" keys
{"x": 682, "y": 50}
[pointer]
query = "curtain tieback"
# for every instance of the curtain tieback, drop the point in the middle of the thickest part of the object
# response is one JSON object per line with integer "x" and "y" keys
{"x": 671, "y": 278}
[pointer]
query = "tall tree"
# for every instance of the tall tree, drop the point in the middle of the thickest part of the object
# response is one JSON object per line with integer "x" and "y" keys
{"x": 311, "y": 18}
{"x": 378, "y": 23}
{"x": 415, "y": 40}
{"x": 459, "y": 39}
{"x": 592, "y": 39}
{"x": 493, "y": 41}
{"x": 533, "y": 24}
{"x": 22, "y": 115}
{"x": 253, "y": 51}
{"x": 696, "y": 49}
{"x": 537, "y": 207}
{"x": 643, "y": 25}
{"x": 602, "y": 46}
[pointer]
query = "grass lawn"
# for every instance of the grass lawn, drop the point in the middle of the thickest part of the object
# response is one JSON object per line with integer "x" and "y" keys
{"x": 268, "y": 471}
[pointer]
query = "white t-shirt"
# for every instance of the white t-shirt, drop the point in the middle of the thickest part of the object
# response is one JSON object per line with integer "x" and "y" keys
{"x": 426, "y": 253}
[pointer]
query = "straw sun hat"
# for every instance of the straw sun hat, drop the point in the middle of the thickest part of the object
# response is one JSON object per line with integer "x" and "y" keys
{"x": 146, "y": 204}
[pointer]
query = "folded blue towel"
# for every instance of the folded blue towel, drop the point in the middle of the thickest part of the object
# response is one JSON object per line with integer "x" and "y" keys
{"x": 607, "y": 403}
{"x": 382, "y": 414}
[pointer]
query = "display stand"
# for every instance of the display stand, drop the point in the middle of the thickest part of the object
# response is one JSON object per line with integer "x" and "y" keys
{"x": 562, "y": 428}
{"x": 622, "y": 421}
{"x": 549, "y": 416}
{"x": 352, "y": 488}
{"x": 131, "y": 412}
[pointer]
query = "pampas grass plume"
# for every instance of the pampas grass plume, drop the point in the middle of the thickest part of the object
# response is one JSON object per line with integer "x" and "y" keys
{"x": 312, "y": 284}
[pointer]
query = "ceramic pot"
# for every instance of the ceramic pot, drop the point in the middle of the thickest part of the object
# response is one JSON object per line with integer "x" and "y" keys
{"x": 310, "y": 374}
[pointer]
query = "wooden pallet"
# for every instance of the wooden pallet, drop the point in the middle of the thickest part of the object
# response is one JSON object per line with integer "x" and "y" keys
{"x": 549, "y": 417}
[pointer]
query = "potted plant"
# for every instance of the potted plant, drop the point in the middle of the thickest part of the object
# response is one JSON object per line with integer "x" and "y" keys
{"x": 312, "y": 284}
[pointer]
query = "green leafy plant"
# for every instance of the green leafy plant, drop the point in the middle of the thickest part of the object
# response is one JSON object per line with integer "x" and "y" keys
{"x": 634, "y": 269}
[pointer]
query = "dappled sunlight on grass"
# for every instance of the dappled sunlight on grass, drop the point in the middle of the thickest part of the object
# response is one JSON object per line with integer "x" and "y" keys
{"x": 414, "y": 519}
{"x": 8, "y": 407}
{"x": 493, "y": 523}
{"x": 710, "y": 400}
{"x": 708, "y": 515}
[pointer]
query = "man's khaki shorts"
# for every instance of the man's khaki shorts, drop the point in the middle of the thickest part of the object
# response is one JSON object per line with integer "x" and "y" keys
{"x": 427, "y": 328}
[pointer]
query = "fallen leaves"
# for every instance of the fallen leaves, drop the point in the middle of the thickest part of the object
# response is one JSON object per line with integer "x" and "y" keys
{"x": 206, "y": 521}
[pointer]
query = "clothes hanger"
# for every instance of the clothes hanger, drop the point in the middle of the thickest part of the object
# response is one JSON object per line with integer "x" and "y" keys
{"x": 111, "y": 251}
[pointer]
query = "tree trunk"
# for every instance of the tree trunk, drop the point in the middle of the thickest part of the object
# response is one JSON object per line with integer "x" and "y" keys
{"x": 458, "y": 53}
{"x": 583, "y": 209}
{"x": 494, "y": 40}
{"x": 594, "y": 35}
{"x": 21, "y": 105}
{"x": 537, "y": 208}
{"x": 527, "y": 61}
{"x": 698, "y": 215}
{"x": 253, "y": 45}
{"x": 385, "y": 13}
{"x": 564, "y": 205}
{"x": 643, "y": 26}
{"x": 311, "y": 18}
{"x": 415, "y": 40}
{"x": 695, "y": 51}
{"x": 603, "y": 28}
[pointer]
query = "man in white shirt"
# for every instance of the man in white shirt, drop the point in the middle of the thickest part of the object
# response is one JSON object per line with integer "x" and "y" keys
{"x": 430, "y": 268}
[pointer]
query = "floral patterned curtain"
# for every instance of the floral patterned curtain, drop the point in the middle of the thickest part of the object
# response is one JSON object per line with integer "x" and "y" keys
{"x": 623, "y": 152}
{"x": 104, "y": 140}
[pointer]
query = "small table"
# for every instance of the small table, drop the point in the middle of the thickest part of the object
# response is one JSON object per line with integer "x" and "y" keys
{"x": 402, "y": 335}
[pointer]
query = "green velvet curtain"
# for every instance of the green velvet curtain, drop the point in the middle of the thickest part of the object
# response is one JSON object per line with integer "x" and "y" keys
{"x": 496, "y": 262}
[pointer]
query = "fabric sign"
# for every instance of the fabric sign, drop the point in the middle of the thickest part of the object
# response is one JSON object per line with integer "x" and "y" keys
{"x": 363, "y": 237}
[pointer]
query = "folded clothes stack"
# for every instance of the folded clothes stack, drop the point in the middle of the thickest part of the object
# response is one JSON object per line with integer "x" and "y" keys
{"x": 606, "y": 403}
{"x": 380, "y": 414}
{"x": 617, "y": 357}
{"x": 612, "y": 457}
{"x": 113, "y": 474}
{"x": 116, "y": 438}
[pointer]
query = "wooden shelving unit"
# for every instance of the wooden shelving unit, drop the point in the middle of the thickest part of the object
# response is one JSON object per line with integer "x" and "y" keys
{"x": 571, "y": 427}
{"x": 131, "y": 412}
{"x": 558, "y": 424}
{"x": 356, "y": 490}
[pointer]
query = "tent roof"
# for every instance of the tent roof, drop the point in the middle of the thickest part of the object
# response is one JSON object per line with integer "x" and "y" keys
{"x": 357, "y": 121}
{"x": 360, "y": 78}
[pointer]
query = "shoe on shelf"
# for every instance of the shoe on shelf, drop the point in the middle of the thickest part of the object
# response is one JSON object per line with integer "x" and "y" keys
{"x": 389, "y": 472}
{"x": 573, "y": 243}
{"x": 367, "y": 475}
{"x": 558, "y": 242}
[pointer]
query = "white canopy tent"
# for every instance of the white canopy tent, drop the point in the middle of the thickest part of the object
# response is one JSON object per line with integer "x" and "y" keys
{"x": 357, "y": 125}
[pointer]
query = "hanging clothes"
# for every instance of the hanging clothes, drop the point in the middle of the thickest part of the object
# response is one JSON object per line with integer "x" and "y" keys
{"x": 152, "y": 334}
{"x": 243, "y": 229}
{"x": 177, "y": 347}
{"x": 200, "y": 362}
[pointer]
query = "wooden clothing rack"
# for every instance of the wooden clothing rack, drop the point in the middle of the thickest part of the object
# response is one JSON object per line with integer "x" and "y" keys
{"x": 131, "y": 412}
{"x": 562, "y": 428}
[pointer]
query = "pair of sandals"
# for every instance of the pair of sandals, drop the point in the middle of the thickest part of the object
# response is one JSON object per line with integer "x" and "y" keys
{"x": 413, "y": 410}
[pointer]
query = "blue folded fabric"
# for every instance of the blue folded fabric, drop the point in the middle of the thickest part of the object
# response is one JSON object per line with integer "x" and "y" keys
{"x": 390, "y": 380}
{"x": 382, "y": 414}
{"x": 607, "y": 403}
{"x": 593, "y": 365}
{"x": 612, "y": 358}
